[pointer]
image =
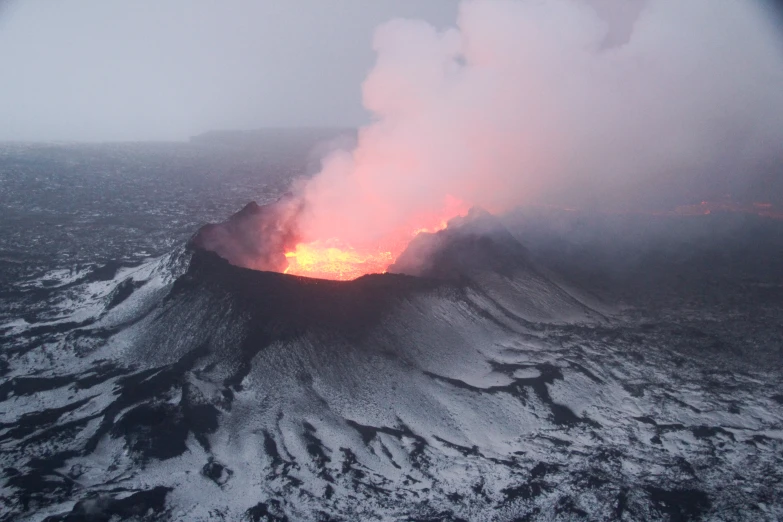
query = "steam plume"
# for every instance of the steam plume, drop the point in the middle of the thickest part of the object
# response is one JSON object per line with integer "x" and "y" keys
{"x": 529, "y": 100}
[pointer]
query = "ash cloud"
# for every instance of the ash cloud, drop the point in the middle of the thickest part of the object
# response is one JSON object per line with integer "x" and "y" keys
{"x": 586, "y": 103}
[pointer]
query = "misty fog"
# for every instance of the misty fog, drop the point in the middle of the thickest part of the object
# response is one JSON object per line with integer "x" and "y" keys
{"x": 90, "y": 70}
{"x": 526, "y": 102}
{"x": 492, "y": 102}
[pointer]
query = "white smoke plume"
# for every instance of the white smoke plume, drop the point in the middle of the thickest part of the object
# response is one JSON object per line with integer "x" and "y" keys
{"x": 527, "y": 100}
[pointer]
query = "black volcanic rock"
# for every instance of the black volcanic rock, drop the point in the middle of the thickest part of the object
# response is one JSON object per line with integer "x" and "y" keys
{"x": 479, "y": 251}
{"x": 256, "y": 237}
{"x": 290, "y": 305}
{"x": 476, "y": 243}
{"x": 270, "y": 307}
{"x": 478, "y": 387}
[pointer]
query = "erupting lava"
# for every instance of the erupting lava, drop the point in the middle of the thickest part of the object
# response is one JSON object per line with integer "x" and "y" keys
{"x": 324, "y": 260}
{"x": 333, "y": 259}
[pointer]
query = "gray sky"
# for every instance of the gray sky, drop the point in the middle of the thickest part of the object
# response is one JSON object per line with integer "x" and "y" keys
{"x": 98, "y": 70}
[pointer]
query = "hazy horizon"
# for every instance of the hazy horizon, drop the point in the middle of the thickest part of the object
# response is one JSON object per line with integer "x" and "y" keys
{"x": 89, "y": 71}
{"x": 184, "y": 139}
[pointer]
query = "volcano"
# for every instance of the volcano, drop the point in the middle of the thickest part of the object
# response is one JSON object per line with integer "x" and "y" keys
{"x": 268, "y": 238}
{"x": 470, "y": 382}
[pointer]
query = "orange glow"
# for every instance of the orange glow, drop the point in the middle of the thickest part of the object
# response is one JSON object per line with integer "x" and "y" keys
{"x": 705, "y": 208}
{"x": 727, "y": 205}
{"x": 335, "y": 259}
{"x": 324, "y": 260}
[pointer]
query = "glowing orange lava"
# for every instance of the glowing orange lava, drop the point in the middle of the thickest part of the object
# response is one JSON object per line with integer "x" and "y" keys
{"x": 324, "y": 260}
{"x": 334, "y": 259}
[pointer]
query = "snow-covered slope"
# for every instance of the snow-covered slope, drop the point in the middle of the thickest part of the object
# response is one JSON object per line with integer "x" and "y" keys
{"x": 480, "y": 388}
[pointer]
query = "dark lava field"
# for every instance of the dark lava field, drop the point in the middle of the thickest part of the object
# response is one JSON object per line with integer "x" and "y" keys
{"x": 547, "y": 365}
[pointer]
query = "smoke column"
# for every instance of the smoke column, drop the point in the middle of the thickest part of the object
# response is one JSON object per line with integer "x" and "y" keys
{"x": 529, "y": 100}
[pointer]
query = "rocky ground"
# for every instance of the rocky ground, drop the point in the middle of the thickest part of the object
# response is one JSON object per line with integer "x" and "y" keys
{"x": 579, "y": 377}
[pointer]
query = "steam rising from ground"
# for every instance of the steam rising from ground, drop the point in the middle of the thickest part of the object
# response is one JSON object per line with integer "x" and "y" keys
{"x": 529, "y": 100}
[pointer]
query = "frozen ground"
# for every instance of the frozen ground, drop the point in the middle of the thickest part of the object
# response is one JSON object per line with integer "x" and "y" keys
{"x": 616, "y": 368}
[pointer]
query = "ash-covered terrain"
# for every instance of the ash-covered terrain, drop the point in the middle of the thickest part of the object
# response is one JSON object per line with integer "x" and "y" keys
{"x": 544, "y": 365}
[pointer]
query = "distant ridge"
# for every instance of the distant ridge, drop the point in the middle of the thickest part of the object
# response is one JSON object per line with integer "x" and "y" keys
{"x": 251, "y": 136}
